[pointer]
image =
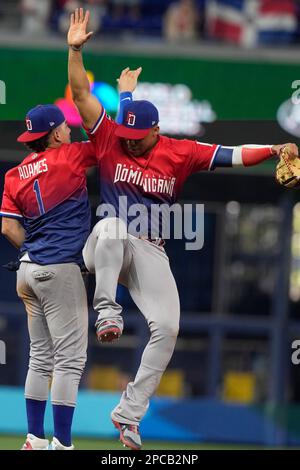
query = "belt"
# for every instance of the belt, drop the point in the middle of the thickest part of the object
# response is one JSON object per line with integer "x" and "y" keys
{"x": 156, "y": 241}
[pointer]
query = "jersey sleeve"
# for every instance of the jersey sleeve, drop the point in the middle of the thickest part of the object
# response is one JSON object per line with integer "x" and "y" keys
{"x": 200, "y": 156}
{"x": 81, "y": 155}
{"x": 102, "y": 134}
{"x": 9, "y": 206}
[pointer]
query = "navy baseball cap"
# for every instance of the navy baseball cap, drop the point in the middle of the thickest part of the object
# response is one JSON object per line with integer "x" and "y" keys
{"x": 138, "y": 119}
{"x": 40, "y": 121}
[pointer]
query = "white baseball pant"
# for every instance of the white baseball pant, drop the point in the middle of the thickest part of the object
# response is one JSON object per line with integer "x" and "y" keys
{"x": 115, "y": 256}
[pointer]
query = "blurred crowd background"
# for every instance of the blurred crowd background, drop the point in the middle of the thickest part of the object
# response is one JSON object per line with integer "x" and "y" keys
{"x": 244, "y": 22}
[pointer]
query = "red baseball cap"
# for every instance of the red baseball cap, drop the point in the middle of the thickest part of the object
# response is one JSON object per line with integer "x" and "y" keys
{"x": 40, "y": 121}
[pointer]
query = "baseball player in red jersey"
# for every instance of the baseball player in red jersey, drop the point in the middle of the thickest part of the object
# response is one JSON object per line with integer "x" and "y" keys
{"x": 46, "y": 214}
{"x": 149, "y": 169}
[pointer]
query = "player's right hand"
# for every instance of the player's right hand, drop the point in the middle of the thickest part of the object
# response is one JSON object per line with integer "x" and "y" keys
{"x": 128, "y": 79}
{"x": 77, "y": 34}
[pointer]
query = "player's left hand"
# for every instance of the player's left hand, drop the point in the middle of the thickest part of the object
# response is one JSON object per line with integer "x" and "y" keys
{"x": 128, "y": 79}
{"x": 77, "y": 34}
{"x": 288, "y": 168}
{"x": 277, "y": 149}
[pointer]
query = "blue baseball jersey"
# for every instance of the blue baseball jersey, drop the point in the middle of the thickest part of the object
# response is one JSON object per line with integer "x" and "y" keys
{"x": 47, "y": 193}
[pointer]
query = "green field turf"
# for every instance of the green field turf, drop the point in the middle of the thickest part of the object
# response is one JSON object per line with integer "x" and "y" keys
{"x": 15, "y": 443}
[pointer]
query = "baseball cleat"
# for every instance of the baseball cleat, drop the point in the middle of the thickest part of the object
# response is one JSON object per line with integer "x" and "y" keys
{"x": 56, "y": 445}
{"x": 129, "y": 435}
{"x": 108, "y": 331}
{"x": 35, "y": 443}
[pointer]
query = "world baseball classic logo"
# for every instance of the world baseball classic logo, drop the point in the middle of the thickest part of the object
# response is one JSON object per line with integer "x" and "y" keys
{"x": 2, "y": 92}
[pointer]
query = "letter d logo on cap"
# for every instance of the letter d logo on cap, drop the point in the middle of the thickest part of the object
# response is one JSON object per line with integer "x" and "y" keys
{"x": 130, "y": 119}
{"x": 29, "y": 125}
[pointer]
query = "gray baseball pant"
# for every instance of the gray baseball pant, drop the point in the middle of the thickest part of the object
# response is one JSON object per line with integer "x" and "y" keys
{"x": 144, "y": 268}
{"x": 56, "y": 305}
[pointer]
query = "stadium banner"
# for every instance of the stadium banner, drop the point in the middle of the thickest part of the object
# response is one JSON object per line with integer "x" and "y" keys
{"x": 208, "y": 88}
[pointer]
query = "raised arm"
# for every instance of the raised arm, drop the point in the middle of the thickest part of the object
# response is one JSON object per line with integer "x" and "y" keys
{"x": 88, "y": 106}
{"x": 127, "y": 83}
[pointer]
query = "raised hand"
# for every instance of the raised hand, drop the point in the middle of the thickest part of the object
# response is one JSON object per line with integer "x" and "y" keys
{"x": 128, "y": 79}
{"x": 77, "y": 34}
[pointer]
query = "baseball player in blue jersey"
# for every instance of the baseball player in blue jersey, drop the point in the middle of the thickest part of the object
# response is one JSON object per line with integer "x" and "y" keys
{"x": 148, "y": 169}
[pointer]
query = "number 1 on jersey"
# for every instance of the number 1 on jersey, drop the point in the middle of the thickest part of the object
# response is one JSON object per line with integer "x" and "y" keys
{"x": 37, "y": 190}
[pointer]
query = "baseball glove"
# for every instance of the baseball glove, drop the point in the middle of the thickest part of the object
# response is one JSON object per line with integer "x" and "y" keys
{"x": 288, "y": 169}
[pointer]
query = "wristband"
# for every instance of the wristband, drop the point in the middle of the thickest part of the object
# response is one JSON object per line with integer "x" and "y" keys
{"x": 76, "y": 48}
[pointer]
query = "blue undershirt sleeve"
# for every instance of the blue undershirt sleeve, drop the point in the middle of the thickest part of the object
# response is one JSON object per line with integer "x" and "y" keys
{"x": 125, "y": 96}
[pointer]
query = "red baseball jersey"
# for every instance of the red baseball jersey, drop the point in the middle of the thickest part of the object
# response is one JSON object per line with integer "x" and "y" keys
{"x": 47, "y": 193}
{"x": 155, "y": 178}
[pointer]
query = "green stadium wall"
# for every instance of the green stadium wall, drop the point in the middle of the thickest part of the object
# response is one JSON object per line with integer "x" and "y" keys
{"x": 236, "y": 89}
